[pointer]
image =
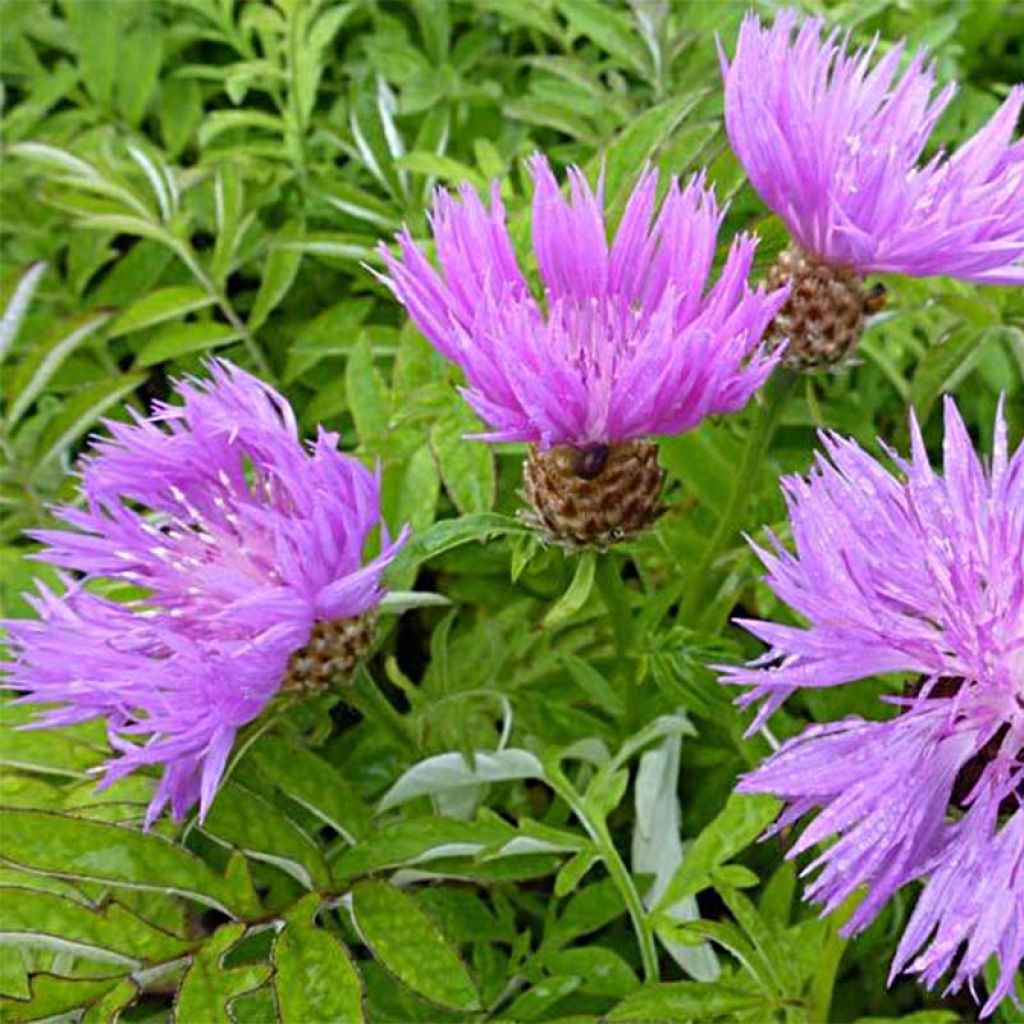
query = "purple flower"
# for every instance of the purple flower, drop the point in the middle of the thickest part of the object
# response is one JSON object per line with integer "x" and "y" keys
{"x": 832, "y": 142}
{"x": 923, "y": 574}
{"x": 236, "y": 542}
{"x": 627, "y": 341}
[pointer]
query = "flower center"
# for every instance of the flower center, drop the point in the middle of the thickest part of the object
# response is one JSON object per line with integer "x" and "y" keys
{"x": 331, "y": 654}
{"x": 823, "y": 318}
{"x": 593, "y": 496}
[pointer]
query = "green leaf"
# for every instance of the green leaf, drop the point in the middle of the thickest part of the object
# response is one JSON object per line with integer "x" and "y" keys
{"x": 948, "y": 363}
{"x": 449, "y": 170}
{"x": 32, "y": 374}
{"x": 536, "y": 1002}
{"x": 79, "y": 413}
{"x": 452, "y": 533}
{"x": 377, "y": 139}
{"x": 95, "y": 851}
{"x": 419, "y": 841}
{"x": 467, "y": 467}
{"x": 405, "y": 941}
{"x": 314, "y": 784}
{"x": 688, "y": 1001}
{"x": 17, "y": 304}
{"x": 163, "y": 304}
{"x": 638, "y": 143}
{"x": 604, "y": 973}
{"x": 96, "y": 29}
{"x": 419, "y": 486}
{"x": 208, "y": 987}
{"x": 180, "y": 113}
{"x": 44, "y": 920}
{"x": 108, "y": 1007}
{"x": 48, "y": 751}
{"x": 53, "y": 996}
{"x": 278, "y": 275}
{"x": 609, "y": 28}
{"x": 137, "y": 67}
{"x": 247, "y": 821}
{"x": 314, "y": 978}
{"x": 367, "y": 398}
{"x": 446, "y": 772}
{"x": 183, "y": 339}
{"x": 575, "y": 597}
{"x": 740, "y": 822}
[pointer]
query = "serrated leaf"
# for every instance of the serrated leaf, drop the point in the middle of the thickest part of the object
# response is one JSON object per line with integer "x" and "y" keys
{"x": 44, "y": 920}
{"x": 314, "y": 784}
{"x": 405, "y": 941}
{"x": 314, "y": 977}
{"x": 108, "y": 1007}
{"x": 208, "y": 987}
{"x": 163, "y": 304}
{"x": 445, "y": 772}
{"x": 52, "y": 996}
{"x": 95, "y": 851}
{"x": 247, "y": 821}
{"x": 48, "y": 751}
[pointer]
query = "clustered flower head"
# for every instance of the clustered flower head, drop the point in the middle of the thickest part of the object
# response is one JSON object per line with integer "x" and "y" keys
{"x": 920, "y": 573}
{"x": 243, "y": 549}
{"x": 832, "y": 141}
{"x": 625, "y": 341}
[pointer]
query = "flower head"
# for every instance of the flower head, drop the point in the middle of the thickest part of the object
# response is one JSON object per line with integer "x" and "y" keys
{"x": 627, "y": 341}
{"x": 919, "y": 573}
{"x": 832, "y": 142}
{"x": 239, "y": 543}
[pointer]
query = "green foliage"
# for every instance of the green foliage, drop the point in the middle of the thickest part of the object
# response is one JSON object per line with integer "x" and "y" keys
{"x": 487, "y": 824}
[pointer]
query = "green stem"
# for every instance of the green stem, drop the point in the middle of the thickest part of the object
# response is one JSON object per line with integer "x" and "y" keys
{"x": 597, "y": 830}
{"x": 365, "y": 696}
{"x": 615, "y": 595}
{"x": 778, "y": 389}
{"x": 188, "y": 257}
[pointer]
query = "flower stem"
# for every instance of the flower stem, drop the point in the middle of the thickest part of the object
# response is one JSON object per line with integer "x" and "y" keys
{"x": 613, "y": 592}
{"x": 778, "y": 389}
{"x": 597, "y": 830}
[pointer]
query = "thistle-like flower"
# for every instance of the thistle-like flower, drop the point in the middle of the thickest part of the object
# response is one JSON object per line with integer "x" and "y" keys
{"x": 923, "y": 574}
{"x": 625, "y": 341}
{"x": 240, "y": 551}
{"x": 832, "y": 142}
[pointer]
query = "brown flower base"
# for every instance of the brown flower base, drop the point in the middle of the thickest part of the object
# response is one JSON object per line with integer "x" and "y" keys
{"x": 823, "y": 318}
{"x": 593, "y": 496}
{"x": 333, "y": 651}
